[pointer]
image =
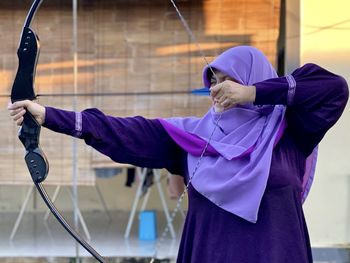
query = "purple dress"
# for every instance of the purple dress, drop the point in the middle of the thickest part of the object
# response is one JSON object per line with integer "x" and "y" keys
{"x": 210, "y": 233}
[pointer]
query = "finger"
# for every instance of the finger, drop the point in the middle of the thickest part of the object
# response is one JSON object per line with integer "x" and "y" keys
{"x": 218, "y": 99}
{"x": 19, "y": 115}
{"x": 223, "y": 98}
{"x": 227, "y": 103}
{"x": 9, "y": 105}
{"x": 22, "y": 103}
{"x": 14, "y": 112}
{"x": 219, "y": 95}
{"x": 19, "y": 121}
{"x": 215, "y": 89}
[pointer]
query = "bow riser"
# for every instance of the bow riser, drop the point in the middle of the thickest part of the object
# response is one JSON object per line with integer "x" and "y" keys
{"x": 28, "y": 54}
{"x": 22, "y": 89}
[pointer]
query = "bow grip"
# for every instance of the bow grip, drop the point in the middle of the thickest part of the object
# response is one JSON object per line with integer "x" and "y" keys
{"x": 35, "y": 158}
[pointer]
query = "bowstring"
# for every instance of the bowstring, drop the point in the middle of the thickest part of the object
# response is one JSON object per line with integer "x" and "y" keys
{"x": 193, "y": 37}
{"x": 182, "y": 196}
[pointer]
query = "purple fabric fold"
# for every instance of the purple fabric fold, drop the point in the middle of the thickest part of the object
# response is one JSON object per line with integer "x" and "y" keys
{"x": 309, "y": 174}
{"x": 234, "y": 171}
{"x": 234, "y": 175}
{"x": 190, "y": 142}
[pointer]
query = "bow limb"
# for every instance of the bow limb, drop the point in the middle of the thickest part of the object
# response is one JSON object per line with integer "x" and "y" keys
{"x": 29, "y": 133}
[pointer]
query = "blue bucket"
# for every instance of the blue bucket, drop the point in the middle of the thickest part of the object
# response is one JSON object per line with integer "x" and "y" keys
{"x": 148, "y": 225}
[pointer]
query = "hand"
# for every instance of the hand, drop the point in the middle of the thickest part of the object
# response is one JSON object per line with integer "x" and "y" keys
{"x": 228, "y": 94}
{"x": 19, "y": 108}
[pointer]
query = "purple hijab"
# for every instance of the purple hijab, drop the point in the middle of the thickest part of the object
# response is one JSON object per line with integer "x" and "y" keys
{"x": 234, "y": 170}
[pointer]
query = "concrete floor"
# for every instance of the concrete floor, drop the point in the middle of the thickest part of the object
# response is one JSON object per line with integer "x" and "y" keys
{"x": 37, "y": 238}
{"x": 40, "y": 241}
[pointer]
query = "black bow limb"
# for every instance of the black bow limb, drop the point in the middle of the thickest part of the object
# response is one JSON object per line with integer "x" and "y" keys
{"x": 29, "y": 133}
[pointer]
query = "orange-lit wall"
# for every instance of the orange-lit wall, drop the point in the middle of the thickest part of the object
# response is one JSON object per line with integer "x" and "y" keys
{"x": 124, "y": 46}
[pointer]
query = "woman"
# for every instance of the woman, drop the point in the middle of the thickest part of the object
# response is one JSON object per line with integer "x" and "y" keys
{"x": 245, "y": 198}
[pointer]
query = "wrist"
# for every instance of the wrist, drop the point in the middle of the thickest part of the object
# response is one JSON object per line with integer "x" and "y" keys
{"x": 251, "y": 93}
{"x": 43, "y": 115}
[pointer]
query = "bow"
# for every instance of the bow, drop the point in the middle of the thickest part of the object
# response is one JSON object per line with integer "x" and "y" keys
{"x": 29, "y": 133}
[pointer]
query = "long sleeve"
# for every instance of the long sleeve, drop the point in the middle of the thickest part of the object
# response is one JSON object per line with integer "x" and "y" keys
{"x": 315, "y": 99}
{"x": 134, "y": 140}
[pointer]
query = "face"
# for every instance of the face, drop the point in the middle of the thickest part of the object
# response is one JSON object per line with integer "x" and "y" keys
{"x": 219, "y": 77}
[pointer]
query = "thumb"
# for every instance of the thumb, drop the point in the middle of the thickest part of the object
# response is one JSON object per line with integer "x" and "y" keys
{"x": 22, "y": 103}
{"x": 214, "y": 90}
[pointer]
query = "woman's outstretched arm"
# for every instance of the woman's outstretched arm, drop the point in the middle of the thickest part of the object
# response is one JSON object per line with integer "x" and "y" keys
{"x": 134, "y": 140}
